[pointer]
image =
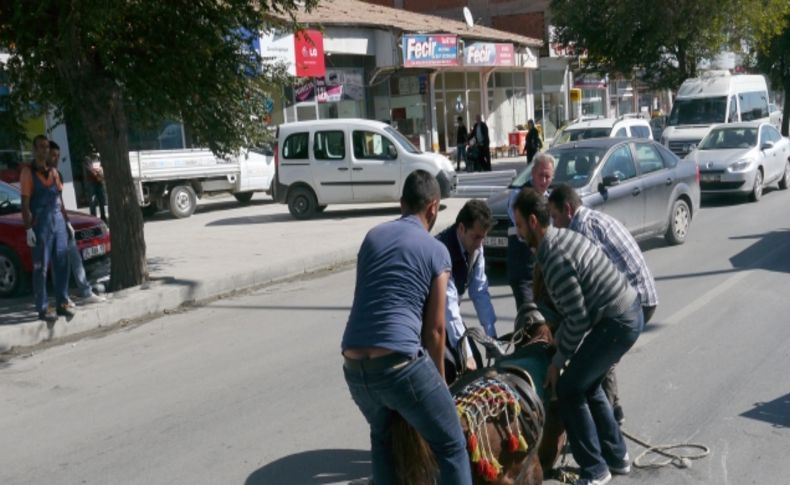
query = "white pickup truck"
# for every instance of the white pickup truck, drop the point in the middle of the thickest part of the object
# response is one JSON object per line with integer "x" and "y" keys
{"x": 174, "y": 179}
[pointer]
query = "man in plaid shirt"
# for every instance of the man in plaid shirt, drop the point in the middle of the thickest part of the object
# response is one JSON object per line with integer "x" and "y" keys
{"x": 613, "y": 238}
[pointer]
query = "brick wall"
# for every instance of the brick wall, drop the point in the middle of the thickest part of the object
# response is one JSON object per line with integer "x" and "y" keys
{"x": 529, "y": 24}
{"x": 430, "y": 6}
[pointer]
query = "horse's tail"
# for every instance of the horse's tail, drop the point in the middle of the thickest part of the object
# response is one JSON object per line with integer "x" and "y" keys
{"x": 414, "y": 460}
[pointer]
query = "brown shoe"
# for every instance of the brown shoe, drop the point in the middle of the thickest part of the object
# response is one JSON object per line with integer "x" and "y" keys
{"x": 64, "y": 311}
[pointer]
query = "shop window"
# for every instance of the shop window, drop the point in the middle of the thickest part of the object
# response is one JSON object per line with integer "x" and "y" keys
{"x": 454, "y": 80}
{"x": 473, "y": 80}
{"x": 295, "y": 146}
{"x": 503, "y": 79}
{"x": 329, "y": 145}
{"x": 519, "y": 80}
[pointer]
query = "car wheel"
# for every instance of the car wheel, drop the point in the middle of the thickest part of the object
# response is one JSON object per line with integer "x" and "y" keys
{"x": 243, "y": 197}
{"x": 12, "y": 278}
{"x": 679, "y": 221}
{"x": 301, "y": 203}
{"x": 183, "y": 201}
{"x": 757, "y": 189}
{"x": 784, "y": 182}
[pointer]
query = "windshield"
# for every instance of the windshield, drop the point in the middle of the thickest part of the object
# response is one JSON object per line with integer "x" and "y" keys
{"x": 402, "y": 140}
{"x": 699, "y": 111}
{"x": 582, "y": 134}
{"x": 729, "y": 138}
{"x": 573, "y": 166}
{"x": 10, "y": 199}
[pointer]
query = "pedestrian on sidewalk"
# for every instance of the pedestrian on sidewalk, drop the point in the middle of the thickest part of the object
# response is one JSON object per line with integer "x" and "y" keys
{"x": 461, "y": 137}
{"x": 567, "y": 211}
{"x": 393, "y": 344}
{"x": 520, "y": 260}
{"x": 48, "y": 230}
{"x": 600, "y": 319}
{"x": 94, "y": 180}
{"x": 84, "y": 288}
{"x": 480, "y": 134}
{"x": 464, "y": 241}
{"x": 533, "y": 143}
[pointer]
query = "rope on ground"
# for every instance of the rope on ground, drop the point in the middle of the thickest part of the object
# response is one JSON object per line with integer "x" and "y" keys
{"x": 680, "y": 460}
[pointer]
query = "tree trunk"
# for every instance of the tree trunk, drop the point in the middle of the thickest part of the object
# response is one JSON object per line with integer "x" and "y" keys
{"x": 99, "y": 102}
{"x": 108, "y": 128}
{"x": 786, "y": 107}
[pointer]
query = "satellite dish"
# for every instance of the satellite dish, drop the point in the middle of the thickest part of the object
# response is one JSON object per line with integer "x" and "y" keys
{"x": 470, "y": 22}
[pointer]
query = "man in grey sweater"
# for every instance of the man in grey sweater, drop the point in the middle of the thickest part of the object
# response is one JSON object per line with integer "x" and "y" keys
{"x": 600, "y": 318}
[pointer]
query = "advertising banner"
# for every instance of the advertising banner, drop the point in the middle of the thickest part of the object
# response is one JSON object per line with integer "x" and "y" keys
{"x": 429, "y": 50}
{"x": 309, "y": 50}
{"x": 489, "y": 54}
{"x": 301, "y": 53}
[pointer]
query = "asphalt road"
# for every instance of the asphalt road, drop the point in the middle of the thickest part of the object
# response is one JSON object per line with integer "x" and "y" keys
{"x": 248, "y": 390}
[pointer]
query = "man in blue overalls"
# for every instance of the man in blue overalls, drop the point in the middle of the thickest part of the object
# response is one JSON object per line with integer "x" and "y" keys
{"x": 48, "y": 230}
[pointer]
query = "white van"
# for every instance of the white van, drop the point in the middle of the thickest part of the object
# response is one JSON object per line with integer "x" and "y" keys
{"x": 714, "y": 97}
{"x": 348, "y": 161}
{"x": 625, "y": 126}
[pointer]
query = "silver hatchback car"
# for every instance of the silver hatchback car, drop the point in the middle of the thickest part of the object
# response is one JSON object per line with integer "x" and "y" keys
{"x": 742, "y": 158}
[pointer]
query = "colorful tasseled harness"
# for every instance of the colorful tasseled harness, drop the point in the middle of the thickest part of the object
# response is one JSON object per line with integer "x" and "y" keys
{"x": 479, "y": 402}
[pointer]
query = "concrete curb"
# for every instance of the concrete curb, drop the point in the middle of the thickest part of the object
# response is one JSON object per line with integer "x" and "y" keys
{"x": 158, "y": 296}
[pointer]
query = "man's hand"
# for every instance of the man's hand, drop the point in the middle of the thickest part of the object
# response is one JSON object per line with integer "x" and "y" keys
{"x": 31, "y": 238}
{"x": 471, "y": 364}
{"x": 552, "y": 374}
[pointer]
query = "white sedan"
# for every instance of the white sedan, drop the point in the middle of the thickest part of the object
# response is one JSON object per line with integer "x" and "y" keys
{"x": 742, "y": 158}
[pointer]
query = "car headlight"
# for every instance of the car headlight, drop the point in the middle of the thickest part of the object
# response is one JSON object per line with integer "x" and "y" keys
{"x": 740, "y": 165}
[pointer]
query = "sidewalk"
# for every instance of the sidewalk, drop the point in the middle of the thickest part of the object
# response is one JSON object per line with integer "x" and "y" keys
{"x": 222, "y": 248}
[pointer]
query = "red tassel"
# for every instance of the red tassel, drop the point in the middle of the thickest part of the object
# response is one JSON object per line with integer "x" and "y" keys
{"x": 482, "y": 467}
{"x": 471, "y": 443}
{"x": 512, "y": 443}
{"x": 491, "y": 472}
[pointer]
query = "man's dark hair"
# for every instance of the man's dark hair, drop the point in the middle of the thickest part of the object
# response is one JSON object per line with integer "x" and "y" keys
{"x": 473, "y": 211}
{"x": 419, "y": 190}
{"x": 565, "y": 194}
{"x": 37, "y": 138}
{"x": 53, "y": 145}
{"x": 530, "y": 202}
{"x": 460, "y": 119}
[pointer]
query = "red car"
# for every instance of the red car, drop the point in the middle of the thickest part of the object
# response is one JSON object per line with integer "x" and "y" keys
{"x": 16, "y": 260}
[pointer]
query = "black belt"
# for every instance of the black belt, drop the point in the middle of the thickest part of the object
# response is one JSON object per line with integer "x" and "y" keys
{"x": 389, "y": 361}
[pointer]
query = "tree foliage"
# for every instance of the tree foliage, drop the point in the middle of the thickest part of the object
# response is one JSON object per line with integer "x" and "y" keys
{"x": 148, "y": 61}
{"x": 663, "y": 39}
{"x": 773, "y": 58}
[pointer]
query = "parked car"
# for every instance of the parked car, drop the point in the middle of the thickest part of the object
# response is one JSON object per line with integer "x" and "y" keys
{"x": 348, "y": 161}
{"x": 10, "y": 165}
{"x": 742, "y": 158}
{"x": 624, "y": 126}
{"x": 16, "y": 259}
{"x": 639, "y": 182}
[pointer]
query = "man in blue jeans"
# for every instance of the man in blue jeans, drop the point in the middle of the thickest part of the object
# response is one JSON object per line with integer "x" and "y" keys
{"x": 84, "y": 288}
{"x": 600, "y": 318}
{"x": 393, "y": 344}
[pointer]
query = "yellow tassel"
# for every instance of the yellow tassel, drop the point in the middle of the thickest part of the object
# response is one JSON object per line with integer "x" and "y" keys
{"x": 522, "y": 443}
{"x": 476, "y": 454}
{"x": 496, "y": 465}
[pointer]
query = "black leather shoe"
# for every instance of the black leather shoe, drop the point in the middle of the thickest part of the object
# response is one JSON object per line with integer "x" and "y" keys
{"x": 64, "y": 311}
{"x": 47, "y": 317}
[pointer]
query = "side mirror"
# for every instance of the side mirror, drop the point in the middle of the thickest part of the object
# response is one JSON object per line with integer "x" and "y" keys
{"x": 610, "y": 181}
{"x": 392, "y": 151}
{"x": 767, "y": 145}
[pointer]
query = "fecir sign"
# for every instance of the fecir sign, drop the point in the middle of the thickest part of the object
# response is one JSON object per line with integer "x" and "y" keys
{"x": 429, "y": 50}
{"x": 489, "y": 54}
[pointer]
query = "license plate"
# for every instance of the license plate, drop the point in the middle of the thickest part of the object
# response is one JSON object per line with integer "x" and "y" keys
{"x": 495, "y": 242}
{"x": 93, "y": 251}
{"x": 711, "y": 178}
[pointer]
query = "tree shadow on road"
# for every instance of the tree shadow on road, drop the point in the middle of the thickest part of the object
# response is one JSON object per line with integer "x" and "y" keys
{"x": 314, "y": 467}
{"x": 776, "y": 412}
{"x": 331, "y": 214}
